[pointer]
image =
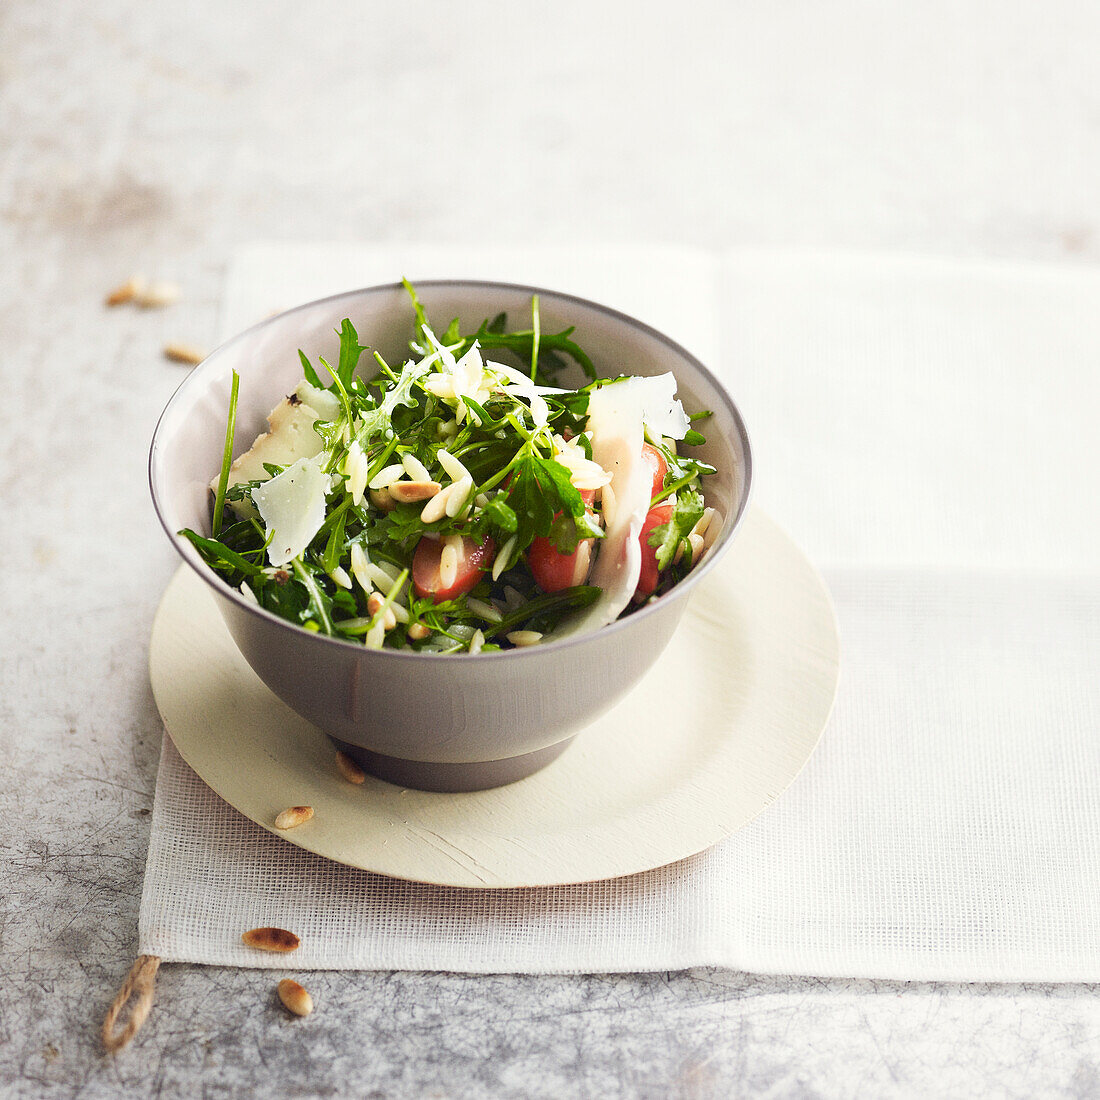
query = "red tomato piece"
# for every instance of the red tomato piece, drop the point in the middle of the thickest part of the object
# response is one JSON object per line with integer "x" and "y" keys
{"x": 474, "y": 559}
{"x": 553, "y": 570}
{"x": 657, "y": 464}
{"x": 647, "y": 579}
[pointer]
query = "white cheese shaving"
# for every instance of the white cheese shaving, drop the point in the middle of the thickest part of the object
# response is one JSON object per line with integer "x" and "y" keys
{"x": 292, "y": 506}
{"x": 290, "y": 436}
{"x": 617, "y": 417}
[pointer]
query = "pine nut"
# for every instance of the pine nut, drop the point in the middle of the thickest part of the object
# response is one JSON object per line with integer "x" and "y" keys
{"x": 477, "y": 641}
{"x": 271, "y": 939}
{"x": 408, "y": 492}
{"x": 340, "y": 577}
{"x": 382, "y": 499}
{"x": 436, "y": 508}
{"x": 524, "y": 637}
{"x": 349, "y": 769}
{"x": 156, "y": 294}
{"x": 418, "y": 632}
{"x": 183, "y": 353}
{"x": 293, "y": 817}
{"x": 375, "y": 604}
{"x": 126, "y": 293}
{"x": 295, "y": 997}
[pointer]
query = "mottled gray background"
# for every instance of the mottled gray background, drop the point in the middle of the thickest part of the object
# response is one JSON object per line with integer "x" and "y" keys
{"x": 155, "y": 137}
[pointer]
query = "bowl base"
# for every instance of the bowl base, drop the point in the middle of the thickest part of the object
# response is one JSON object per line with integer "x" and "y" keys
{"x": 452, "y": 778}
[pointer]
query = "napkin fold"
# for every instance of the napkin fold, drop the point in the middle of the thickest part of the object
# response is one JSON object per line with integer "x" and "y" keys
{"x": 923, "y": 428}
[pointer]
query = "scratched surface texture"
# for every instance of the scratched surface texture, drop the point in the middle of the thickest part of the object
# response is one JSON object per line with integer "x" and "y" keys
{"x": 157, "y": 137}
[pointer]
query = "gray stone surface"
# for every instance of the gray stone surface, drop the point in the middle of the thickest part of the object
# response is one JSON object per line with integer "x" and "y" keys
{"x": 155, "y": 138}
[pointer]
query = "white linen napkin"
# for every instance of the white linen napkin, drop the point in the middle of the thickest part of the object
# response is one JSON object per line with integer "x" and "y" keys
{"x": 924, "y": 429}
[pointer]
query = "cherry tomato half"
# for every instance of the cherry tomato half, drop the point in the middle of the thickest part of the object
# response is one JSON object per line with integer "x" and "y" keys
{"x": 647, "y": 579}
{"x": 553, "y": 570}
{"x": 657, "y": 464}
{"x": 474, "y": 559}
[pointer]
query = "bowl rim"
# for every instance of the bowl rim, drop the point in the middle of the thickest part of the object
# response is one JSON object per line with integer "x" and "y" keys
{"x": 679, "y": 592}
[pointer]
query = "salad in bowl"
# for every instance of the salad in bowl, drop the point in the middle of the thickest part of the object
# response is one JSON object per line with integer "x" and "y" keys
{"x": 456, "y": 503}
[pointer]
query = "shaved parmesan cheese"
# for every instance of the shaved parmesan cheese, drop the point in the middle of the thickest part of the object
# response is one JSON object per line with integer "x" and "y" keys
{"x": 618, "y": 415}
{"x": 292, "y": 506}
{"x": 290, "y": 436}
{"x": 662, "y": 414}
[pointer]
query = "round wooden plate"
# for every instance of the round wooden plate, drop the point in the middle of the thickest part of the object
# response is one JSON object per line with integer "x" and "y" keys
{"x": 721, "y": 725}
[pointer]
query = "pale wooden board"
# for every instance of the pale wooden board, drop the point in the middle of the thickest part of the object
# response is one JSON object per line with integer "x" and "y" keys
{"x": 720, "y": 726}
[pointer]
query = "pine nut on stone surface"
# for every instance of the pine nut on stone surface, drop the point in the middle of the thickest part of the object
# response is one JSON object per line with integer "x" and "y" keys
{"x": 349, "y": 769}
{"x": 271, "y": 939}
{"x": 295, "y": 997}
{"x": 184, "y": 353}
{"x": 126, "y": 292}
{"x": 157, "y": 294}
{"x": 293, "y": 817}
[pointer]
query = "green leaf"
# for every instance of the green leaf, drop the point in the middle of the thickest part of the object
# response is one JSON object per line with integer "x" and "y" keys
{"x": 218, "y": 556}
{"x": 376, "y": 421}
{"x": 453, "y": 334}
{"x": 567, "y": 494}
{"x": 334, "y": 547}
{"x": 501, "y": 516}
{"x": 307, "y": 369}
{"x": 319, "y": 607}
{"x": 227, "y": 457}
{"x": 668, "y": 536}
{"x": 350, "y": 352}
{"x": 418, "y": 310}
{"x": 547, "y": 610}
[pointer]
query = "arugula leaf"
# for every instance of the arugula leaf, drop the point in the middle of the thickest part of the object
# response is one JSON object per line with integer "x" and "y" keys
{"x": 350, "y": 352}
{"x": 377, "y": 421}
{"x": 319, "y": 604}
{"x": 227, "y": 457}
{"x": 311, "y": 375}
{"x": 546, "y": 609}
{"x": 421, "y": 320}
{"x": 667, "y": 537}
{"x": 219, "y": 556}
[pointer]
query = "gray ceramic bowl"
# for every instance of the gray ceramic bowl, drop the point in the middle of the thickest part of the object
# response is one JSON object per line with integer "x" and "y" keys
{"x": 459, "y": 722}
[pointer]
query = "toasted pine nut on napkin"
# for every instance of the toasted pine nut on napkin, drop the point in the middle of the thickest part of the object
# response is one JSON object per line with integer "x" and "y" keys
{"x": 924, "y": 430}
